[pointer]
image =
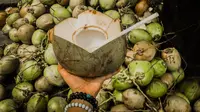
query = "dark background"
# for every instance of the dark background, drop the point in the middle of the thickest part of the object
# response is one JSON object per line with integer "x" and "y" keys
{"x": 182, "y": 17}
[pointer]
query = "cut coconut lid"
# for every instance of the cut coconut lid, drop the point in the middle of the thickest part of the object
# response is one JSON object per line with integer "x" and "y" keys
{"x": 91, "y": 30}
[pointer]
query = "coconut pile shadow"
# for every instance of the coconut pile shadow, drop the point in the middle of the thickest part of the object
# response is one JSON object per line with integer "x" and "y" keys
{"x": 160, "y": 67}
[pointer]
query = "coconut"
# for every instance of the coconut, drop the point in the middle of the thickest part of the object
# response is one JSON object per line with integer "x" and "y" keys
{"x": 53, "y": 76}
{"x": 45, "y": 22}
{"x": 11, "y": 10}
{"x": 30, "y": 17}
{"x": 22, "y": 2}
{"x": 93, "y": 3}
{"x": 172, "y": 58}
{"x": 128, "y": 19}
{"x": 8, "y": 105}
{"x": 2, "y": 92}
{"x": 13, "y": 35}
{"x": 21, "y": 21}
{"x": 177, "y": 104}
{"x": 137, "y": 35}
{"x": 3, "y": 16}
{"x": 155, "y": 30}
{"x": 37, "y": 103}
{"x": 31, "y": 70}
{"x": 24, "y": 10}
{"x": 57, "y": 104}
{"x": 25, "y": 33}
{"x": 118, "y": 97}
{"x": 6, "y": 29}
{"x": 48, "y": 2}
{"x": 159, "y": 67}
{"x": 78, "y": 9}
{"x": 182, "y": 96}
{"x": 122, "y": 85}
{"x": 11, "y": 49}
{"x": 70, "y": 10}
{"x": 1, "y": 52}
{"x": 191, "y": 89}
{"x": 178, "y": 75}
{"x": 144, "y": 50}
{"x": 108, "y": 84}
{"x": 141, "y": 72}
{"x": 168, "y": 79}
{"x": 88, "y": 39}
{"x": 133, "y": 99}
{"x": 59, "y": 13}
{"x": 120, "y": 108}
{"x": 74, "y": 3}
{"x": 22, "y": 91}
{"x": 107, "y": 4}
{"x": 122, "y": 3}
{"x": 12, "y": 18}
{"x": 37, "y": 8}
{"x": 63, "y": 2}
{"x": 113, "y": 14}
{"x": 69, "y": 93}
{"x": 197, "y": 106}
{"x": 129, "y": 57}
{"x": 27, "y": 51}
{"x": 156, "y": 89}
{"x": 38, "y": 36}
{"x": 141, "y": 7}
{"x": 49, "y": 55}
{"x": 101, "y": 97}
{"x": 8, "y": 64}
{"x": 42, "y": 85}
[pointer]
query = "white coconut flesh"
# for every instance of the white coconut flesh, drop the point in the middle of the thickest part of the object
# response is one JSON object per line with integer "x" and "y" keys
{"x": 90, "y": 31}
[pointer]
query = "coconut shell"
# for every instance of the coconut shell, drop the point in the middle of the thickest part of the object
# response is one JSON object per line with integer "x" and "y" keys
{"x": 25, "y": 33}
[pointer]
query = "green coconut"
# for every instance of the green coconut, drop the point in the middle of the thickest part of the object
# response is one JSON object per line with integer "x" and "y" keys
{"x": 53, "y": 76}
{"x": 107, "y": 4}
{"x": 25, "y": 33}
{"x": 49, "y": 55}
{"x": 156, "y": 89}
{"x": 191, "y": 89}
{"x": 122, "y": 85}
{"x": 155, "y": 30}
{"x": 108, "y": 84}
{"x": 42, "y": 85}
{"x": 101, "y": 97}
{"x": 45, "y": 22}
{"x": 24, "y": 9}
{"x": 2, "y": 92}
{"x": 6, "y": 29}
{"x": 27, "y": 51}
{"x": 13, "y": 35}
{"x": 122, "y": 3}
{"x": 30, "y": 17}
{"x": 89, "y": 55}
{"x": 168, "y": 79}
{"x": 8, "y": 105}
{"x": 37, "y": 8}
{"x": 172, "y": 58}
{"x": 182, "y": 96}
{"x": 54, "y": 7}
{"x": 22, "y": 91}
{"x": 113, "y": 14}
{"x": 38, "y": 36}
{"x": 78, "y": 9}
{"x": 11, "y": 49}
{"x": 37, "y": 103}
{"x": 159, "y": 67}
{"x": 93, "y": 3}
{"x": 11, "y": 10}
{"x": 12, "y": 18}
{"x": 19, "y": 22}
{"x": 8, "y": 64}
{"x": 31, "y": 70}
{"x": 177, "y": 104}
{"x": 144, "y": 50}
{"x": 63, "y": 2}
{"x": 133, "y": 99}
{"x": 141, "y": 72}
{"x": 74, "y": 3}
{"x": 118, "y": 97}
{"x": 137, "y": 35}
{"x": 197, "y": 106}
{"x": 128, "y": 19}
{"x": 57, "y": 104}
{"x": 48, "y": 2}
{"x": 178, "y": 75}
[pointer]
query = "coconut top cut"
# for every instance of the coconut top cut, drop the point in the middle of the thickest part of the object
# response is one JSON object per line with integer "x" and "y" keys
{"x": 90, "y": 31}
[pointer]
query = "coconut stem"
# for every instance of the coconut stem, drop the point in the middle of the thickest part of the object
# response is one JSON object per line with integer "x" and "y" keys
{"x": 106, "y": 101}
{"x": 60, "y": 92}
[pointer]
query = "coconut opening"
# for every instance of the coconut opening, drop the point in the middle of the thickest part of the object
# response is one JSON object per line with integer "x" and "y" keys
{"x": 90, "y": 39}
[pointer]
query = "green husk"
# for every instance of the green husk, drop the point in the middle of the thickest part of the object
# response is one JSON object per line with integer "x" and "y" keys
{"x": 13, "y": 35}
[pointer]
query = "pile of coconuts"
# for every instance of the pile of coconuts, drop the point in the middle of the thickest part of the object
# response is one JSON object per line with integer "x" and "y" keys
{"x": 151, "y": 79}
